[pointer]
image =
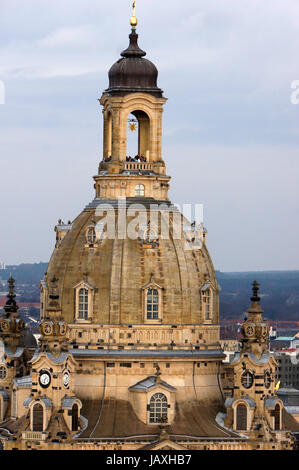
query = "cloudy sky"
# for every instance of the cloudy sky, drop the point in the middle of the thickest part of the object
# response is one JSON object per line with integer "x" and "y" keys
{"x": 231, "y": 134}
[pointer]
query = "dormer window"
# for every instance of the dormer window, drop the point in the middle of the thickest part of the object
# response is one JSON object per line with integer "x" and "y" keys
{"x": 139, "y": 190}
{"x": 206, "y": 299}
{"x": 91, "y": 236}
{"x": 158, "y": 409}
{"x": 152, "y": 306}
{"x": 83, "y": 304}
{"x": 84, "y": 294}
{"x": 152, "y": 302}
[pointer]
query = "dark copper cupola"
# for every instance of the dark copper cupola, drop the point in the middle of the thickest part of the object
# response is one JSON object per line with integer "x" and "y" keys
{"x": 132, "y": 73}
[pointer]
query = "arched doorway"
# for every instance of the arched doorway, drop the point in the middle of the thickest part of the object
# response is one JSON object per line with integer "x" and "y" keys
{"x": 75, "y": 417}
{"x": 138, "y": 136}
{"x": 241, "y": 417}
{"x": 38, "y": 418}
{"x": 277, "y": 418}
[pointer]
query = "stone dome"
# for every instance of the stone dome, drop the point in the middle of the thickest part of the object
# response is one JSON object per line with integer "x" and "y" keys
{"x": 117, "y": 271}
{"x": 132, "y": 73}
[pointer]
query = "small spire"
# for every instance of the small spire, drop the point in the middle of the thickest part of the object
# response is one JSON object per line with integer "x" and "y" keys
{"x": 255, "y": 289}
{"x": 11, "y": 305}
{"x": 134, "y": 20}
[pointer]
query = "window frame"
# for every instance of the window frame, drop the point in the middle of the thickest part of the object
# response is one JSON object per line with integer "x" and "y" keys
{"x": 156, "y": 305}
{"x": 41, "y": 417}
{"x": 241, "y": 418}
{"x": 158, "y": 409}
{"x": 139, "y": 190}
{"x": 208, "y": 292}
{"x": 207, "y": 297}
{"x": 3, "y": 369}
{"x": 88, "y": 300}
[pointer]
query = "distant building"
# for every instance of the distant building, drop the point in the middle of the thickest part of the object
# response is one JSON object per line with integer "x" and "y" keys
{"x": 285, "y": 342}
{"x": 2, "y": 265}
{"x": 230, "y": 347}
{"x": 290, "y": 399}
{"x": 288, "y": 368}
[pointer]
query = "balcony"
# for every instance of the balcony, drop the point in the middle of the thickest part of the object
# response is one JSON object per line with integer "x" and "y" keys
{"x": 34, "y": 436}
{"x": 138, "y": 166}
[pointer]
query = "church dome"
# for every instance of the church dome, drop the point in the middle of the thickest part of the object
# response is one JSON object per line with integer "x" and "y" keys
{"x": 117, "y": 271}
{"x": 132, "y": 73}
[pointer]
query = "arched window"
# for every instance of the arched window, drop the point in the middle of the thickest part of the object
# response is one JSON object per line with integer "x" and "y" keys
{"x": 152, "y": 305}
{"x": 83, "y": 304}
{"x": 3, "y": 372}
{"x": 108, "y": 136}
{"x": 158, "y": 409}
{"x": 138, "y": 135}
{"x": 91, "y": 236}
{"x": 277, "y": 417}
{"x": 267, "y": 379}
{"x": 241, "y": 417}
{"x": 38, "y": 418}
{"x": 84, "y": 300}
{"x": 139, "y": 190}
{"x": 75, "y": 417}
{"x": 206, "y": 298}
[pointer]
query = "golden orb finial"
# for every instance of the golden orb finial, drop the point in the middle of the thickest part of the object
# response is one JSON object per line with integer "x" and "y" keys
{"x": 134, "y": 20}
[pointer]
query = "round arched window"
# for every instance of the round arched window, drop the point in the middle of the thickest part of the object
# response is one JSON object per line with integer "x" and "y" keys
{"x": 241, "y": 417}
{"x": 247, "y": 379}
{"x": 158, "y": 408}
{"x": 38, "y": 418}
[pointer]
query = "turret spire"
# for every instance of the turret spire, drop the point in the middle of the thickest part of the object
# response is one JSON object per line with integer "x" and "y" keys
{"x": 11, "y": 305}
{"x": 255, "y": 290}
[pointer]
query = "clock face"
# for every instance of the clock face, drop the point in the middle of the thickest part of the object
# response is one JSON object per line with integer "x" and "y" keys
{"x": 249, "y": 330}
{"x": 45, "y": 379}
{"x": 66, "y": 379}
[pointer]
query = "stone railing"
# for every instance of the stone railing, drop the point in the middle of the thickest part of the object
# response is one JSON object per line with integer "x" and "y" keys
{"x": 34, "y": 436}
{"x": 139, "y": 166}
